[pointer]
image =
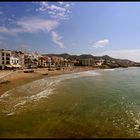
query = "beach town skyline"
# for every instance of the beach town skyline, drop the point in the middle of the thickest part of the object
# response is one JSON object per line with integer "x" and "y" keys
{"x": 97, "y": 28}
{"x": 69, "y": 69}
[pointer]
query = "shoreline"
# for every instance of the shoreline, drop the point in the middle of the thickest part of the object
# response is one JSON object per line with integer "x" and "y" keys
{"x": 12, "y": 79}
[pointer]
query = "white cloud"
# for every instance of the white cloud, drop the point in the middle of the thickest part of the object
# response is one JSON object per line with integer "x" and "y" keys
{"x": 43, "y": 6}
{"x": 36, "y": 24}
{"x": 59, "y": 10}
{"x": 101, "y": 43}
{"x": 54, "y": 7}
{"x": 9, "y": 31}
{"x": 133, "y": 54}
{"x": 31, "y": 25}
{"x": 67, "y": 5}
{"x": 56, "y": 38}
{"x": 61, "y": 3}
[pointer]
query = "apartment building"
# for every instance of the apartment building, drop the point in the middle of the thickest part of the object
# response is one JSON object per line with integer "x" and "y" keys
{"x": 42, "y": 61}
{"x": 5, "y": 59}
{"x": 92, "y": 62}
{"x": 88, "y": 62}
{"x": 31, "y": 60}
{"x": 11, "y": 59}
{"x": 16, "y": 59}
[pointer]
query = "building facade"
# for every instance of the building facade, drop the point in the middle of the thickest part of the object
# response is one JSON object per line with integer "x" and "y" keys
{"x": 30, "y": 60}
{"x": 11, "y": 59}
{"x": 5, "y": 59}
{"x": 92, "y": 62}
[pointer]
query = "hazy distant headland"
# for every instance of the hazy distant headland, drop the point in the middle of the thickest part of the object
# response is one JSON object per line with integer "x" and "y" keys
{"x": 97, "y": 61}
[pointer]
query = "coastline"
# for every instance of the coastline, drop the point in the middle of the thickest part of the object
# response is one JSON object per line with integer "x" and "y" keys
{"x": 12, "y": 79}
{"x": 19, "y": 109}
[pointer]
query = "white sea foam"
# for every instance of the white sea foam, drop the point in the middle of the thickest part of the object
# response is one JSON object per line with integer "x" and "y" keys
{"x": 20, "y": 103}
{"x": 40, "y": 95}
{"x": 108, "y": 69}
{"x": 39, "y": 89}
{"x": 10, "y": 114}
{"x": 6, "y": 94}
{"x": 88, "y": 73}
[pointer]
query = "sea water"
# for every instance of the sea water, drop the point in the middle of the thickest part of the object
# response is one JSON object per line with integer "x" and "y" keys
{"x": 91, "y": 104}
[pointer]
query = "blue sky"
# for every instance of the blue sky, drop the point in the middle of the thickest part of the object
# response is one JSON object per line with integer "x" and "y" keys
{"x": 97, "y": 28}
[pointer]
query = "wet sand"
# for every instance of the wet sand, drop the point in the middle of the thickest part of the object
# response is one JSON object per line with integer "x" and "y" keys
{"x": 11, "y": 79}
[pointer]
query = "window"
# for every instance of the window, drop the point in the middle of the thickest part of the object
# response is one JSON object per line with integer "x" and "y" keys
{"x": 7, "y": 58}
{"x": 7, "y": 62}
{"x": 8, "y": 54}
{"x": 2, "y": 62}
{"x": 2, "y": 54}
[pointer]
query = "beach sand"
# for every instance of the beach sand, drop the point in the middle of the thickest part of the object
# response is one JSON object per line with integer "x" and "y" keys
{"x": 11, "y": 79}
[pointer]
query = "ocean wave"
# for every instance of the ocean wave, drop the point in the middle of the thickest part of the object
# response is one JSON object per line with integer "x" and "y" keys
{"x": 6, "y": 94}
{"x": 108, "y": 69}
{"x": 38, "y": 89}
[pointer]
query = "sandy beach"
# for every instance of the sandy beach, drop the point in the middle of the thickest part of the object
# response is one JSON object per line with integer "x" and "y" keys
{"x": 10, "y": 79}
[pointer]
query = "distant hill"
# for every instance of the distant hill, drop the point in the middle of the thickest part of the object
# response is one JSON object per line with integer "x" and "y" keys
{"x": 116, "y": 62}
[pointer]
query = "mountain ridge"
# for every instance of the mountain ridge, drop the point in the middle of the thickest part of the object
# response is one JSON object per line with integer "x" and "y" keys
{"x": 108, "y": 61}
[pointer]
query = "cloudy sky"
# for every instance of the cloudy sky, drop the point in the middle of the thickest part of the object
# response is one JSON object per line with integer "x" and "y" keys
{"x": 97, "y": 28}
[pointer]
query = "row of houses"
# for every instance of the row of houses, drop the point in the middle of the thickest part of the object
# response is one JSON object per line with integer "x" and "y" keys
{"x": 21, "y": 60}
{"x": 92, "y": 62}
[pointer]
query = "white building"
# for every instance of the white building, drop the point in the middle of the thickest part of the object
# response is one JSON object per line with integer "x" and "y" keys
{"x": 31, "y": 60}
{"x": 5, "y": 59}
{"x": 10, "y": 59}
{"x": 88, "y": 62}
{"x": 99, "y": 62}
{"x": 14, "y": 62}
{"x": 92, "y": 62}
